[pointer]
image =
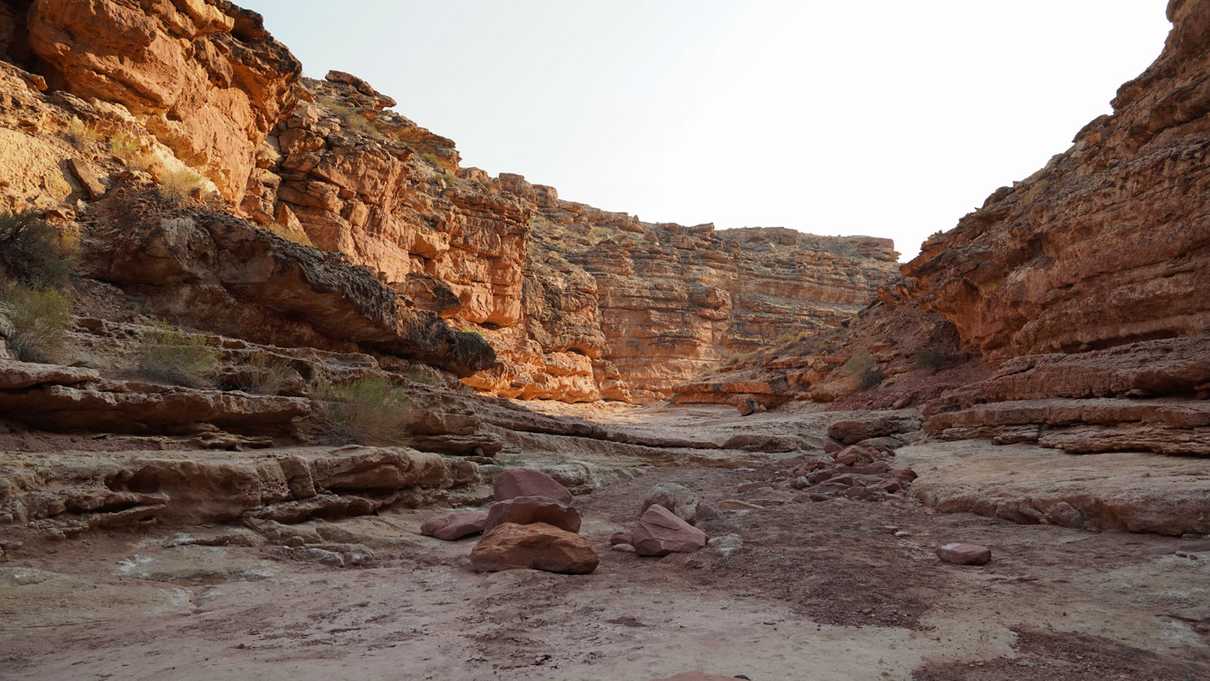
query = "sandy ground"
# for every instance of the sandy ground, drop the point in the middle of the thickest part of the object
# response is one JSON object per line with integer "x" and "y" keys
{"x": 827, "y": 590}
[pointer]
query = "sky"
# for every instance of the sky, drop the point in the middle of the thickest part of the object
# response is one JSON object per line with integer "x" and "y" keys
{"x": 882, "y": 117}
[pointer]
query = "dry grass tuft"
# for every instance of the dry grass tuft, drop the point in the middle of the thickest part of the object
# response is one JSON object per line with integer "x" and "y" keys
{"x": 368, "y": 410}
{"x": 169, "y": 355}
{"x": 38, "y": 322}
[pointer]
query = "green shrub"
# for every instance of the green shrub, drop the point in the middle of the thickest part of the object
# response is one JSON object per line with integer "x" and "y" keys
{"x": 168, "y": 355}
{"x": 368, "y": 410}
{"x": 29, "y": 251}
{"x": 39, "y": 320}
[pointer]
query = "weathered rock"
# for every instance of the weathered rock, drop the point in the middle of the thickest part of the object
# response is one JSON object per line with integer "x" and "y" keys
{"x": 725, "y": 545}
{"x": 856, "y": 455}
{"x": 204, "y": 77}
{"x": 1085, "y": 280}
{"x": 1086, "y": 426}
{"x": 964, "y": 554}
{"x": 660, "y": 532}
{"x": 752, "y": 442}
{"x": 62, "y": 398}
{"x": 123, "y": 488}
{"x": 455, "y": 526}
{"x": 852, "y": 431}
{"x": 527, "y": 510}
{"x": 536, "y": 546}
{"x": 1127, "y": 491}
{"x": 526, "y": 482}
{"x": 679, "y": 499}
{"x": 246, "y": 282}
{"x": 619, "y": 538}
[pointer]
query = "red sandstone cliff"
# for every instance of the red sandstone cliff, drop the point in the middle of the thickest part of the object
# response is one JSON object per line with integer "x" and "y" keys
{"x": 1071, "y": 309}
{"x": 578, "y": 303}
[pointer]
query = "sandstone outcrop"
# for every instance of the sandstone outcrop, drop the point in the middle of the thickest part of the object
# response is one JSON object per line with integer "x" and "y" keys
{"x": 203, "y": 76}
{"x": 578, "y": 304}
{"x": 247, "y": 282}
{"x": 72, "y": 492}
{"x": 1069, "y": 310}
{"x": 60, "y": 398}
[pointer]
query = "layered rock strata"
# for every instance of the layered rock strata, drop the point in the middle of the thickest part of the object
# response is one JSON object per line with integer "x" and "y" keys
{"x": 1069, "y": 310}
{"x": 578, "y": 303}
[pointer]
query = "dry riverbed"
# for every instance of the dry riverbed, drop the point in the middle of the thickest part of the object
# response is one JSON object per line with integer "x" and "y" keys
{"x": 836, "y": 589}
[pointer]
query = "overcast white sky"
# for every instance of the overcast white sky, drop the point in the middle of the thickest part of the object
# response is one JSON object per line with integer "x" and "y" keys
{"x": 882, "y": 117}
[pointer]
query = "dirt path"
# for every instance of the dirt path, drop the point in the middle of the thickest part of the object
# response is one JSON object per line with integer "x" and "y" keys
{"x": 838, "y": 589}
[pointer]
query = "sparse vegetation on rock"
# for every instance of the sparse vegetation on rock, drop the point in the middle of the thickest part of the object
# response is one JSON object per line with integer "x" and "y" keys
{"x": 38, "y": 321}
{"x": 371, "y": 410}
{"x": 169, "y": 355}
{"x": 30, "y": 251}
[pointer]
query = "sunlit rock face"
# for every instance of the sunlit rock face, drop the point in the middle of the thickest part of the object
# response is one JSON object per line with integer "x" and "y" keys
{"x": 578, "y": 303}
{"x": 203, "y": 77}
{"x": 1070, "y": 310}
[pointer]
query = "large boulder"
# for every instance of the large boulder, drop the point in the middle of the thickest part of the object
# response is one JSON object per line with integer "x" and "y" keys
{"x": 527, "y": 510}
{"x": 526, "y": 482}
{"x": 676, "y": 498}
{"x": 660, "y": 532}
{"x": 455, "y": 526}
{"x": 537, "y": 546}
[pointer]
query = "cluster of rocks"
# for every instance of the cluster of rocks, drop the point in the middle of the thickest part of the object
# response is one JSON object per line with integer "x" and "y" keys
{"x": 665, "y": 524}
{"x": 861, "y": 463}
{"x": 531, "y": 525}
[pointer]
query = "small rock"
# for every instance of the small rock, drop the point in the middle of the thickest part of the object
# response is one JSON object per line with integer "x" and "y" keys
{"x": 619, "y": 538}
{"x": 726, "y": 544}
{"x": 676, "y": 498}
{"x": 965, "y": 554}
{"x": 526, "y": 482}
{"x": 749, "y": 406}
{"x": 624, "y": 548}
{"x": 903, "y": 533}
{"x": 526, "y": 510}
{"x": 455, "y": 526}
{"x": 854, "y": 455}
{"x": 660, "y": 532}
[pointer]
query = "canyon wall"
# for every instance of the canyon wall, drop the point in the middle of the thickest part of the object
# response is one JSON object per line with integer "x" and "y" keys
{"x": 1071, "y": 309}
{"x": 579, "y": 304}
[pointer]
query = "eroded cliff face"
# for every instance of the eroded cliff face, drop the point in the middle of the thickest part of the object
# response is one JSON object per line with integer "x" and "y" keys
{"x": 204, "y": 77}
{"x": 1110, "y": 242}
{"x": 578, "y": 303}
{"x": 1070, "y": 310}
